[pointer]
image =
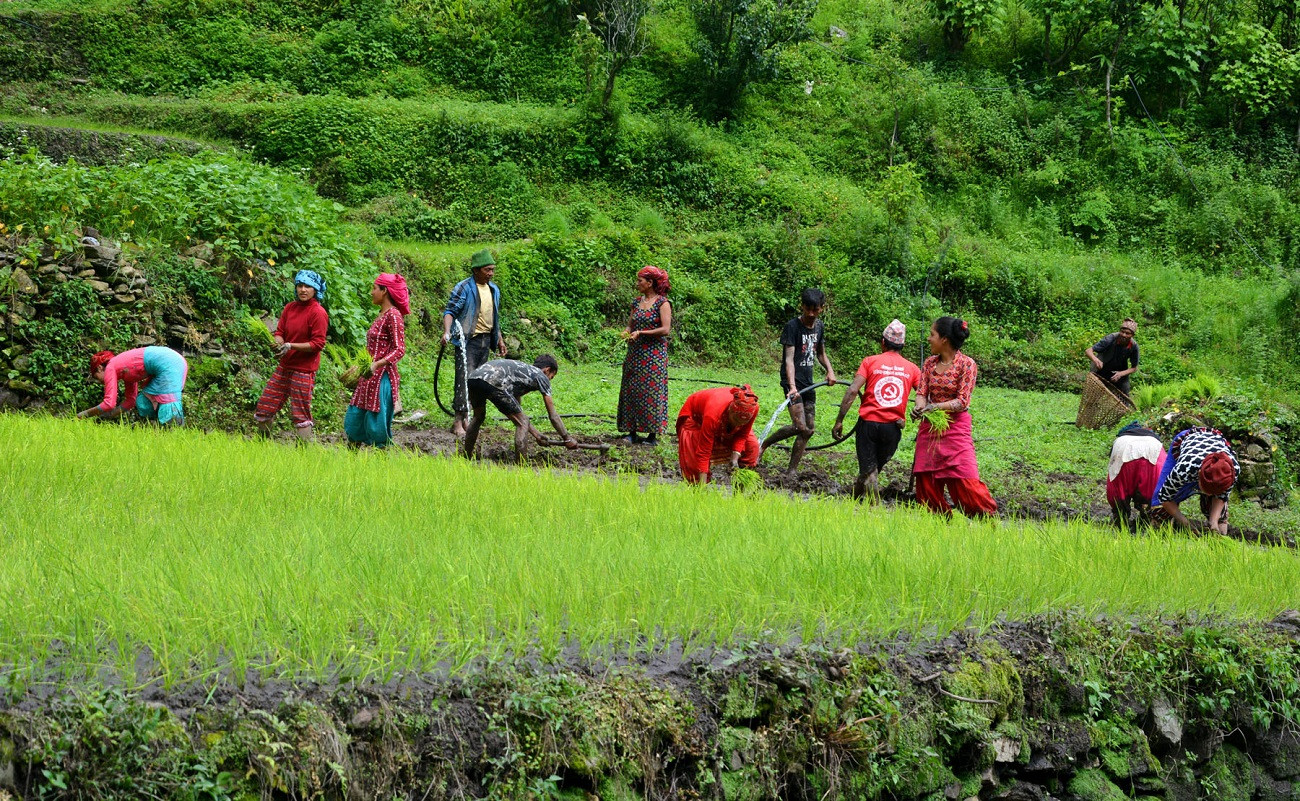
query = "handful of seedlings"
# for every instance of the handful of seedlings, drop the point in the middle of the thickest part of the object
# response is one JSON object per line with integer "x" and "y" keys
{"x": 746, "y": 481}
{"x": 353, "y": 375}
{"x": 939, "y": 421}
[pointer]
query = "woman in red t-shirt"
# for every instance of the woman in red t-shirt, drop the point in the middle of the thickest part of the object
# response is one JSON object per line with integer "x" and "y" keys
{"x": 946, "y": 460}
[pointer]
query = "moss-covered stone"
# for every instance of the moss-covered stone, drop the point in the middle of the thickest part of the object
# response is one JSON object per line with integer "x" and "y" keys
{"x": 1229, "y": 775}
{"x": 1094, "y": 785}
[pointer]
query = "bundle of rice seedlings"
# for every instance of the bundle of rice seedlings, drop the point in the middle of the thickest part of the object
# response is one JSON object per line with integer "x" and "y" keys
{"x": 939, "y": 421}
{"x": 746, "y": 481}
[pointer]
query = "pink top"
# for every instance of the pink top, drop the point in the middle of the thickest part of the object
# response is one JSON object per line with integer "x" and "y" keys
{"x": 127, "y": 367}
{"x": 957, "y": 382}
{"x": 385, "y": 340}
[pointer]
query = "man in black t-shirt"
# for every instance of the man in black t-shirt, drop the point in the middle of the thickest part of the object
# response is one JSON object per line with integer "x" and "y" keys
{"x": 1115, "y": 356}
{"x": 802, "y": 344}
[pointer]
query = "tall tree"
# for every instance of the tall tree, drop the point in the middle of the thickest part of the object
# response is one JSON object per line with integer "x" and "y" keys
{"x": 738, "y": 42}
{"x": 620, "y": 24}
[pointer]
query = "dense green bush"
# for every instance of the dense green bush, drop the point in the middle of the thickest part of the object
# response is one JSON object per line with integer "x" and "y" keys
{"x": 261, "y": 224}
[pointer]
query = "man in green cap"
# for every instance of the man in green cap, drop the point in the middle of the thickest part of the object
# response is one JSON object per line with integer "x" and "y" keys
{"x": 476, "y": 304}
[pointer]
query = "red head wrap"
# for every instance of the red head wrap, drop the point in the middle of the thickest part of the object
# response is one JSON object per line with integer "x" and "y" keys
{"x": 99, "y": 360}
{"x": 397, "y": 291}
{"x": 658, "y": 278}
{"x": 1216, "y": 474}
{"x": 744, "y": 403}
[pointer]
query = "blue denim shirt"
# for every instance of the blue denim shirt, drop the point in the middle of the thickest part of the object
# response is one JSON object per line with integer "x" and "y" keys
{"x": 463, "y": 305}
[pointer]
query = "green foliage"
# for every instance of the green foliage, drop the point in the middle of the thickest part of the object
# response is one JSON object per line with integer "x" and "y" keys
{"x": 1258, "y": 74}
{"x": 261, "y": 225}
{"x": 60, "y": 359}
{"x": 739, "y": 41}
{"x": 962, "y": 19}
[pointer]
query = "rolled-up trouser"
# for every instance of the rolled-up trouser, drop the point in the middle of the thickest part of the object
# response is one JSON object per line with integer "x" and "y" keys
{"x": 477, "y": 351}
{"x": 970, "y": 495}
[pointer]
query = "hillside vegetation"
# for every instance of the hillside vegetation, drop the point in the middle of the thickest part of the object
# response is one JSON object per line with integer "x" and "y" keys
{"x": 910, "y": 158}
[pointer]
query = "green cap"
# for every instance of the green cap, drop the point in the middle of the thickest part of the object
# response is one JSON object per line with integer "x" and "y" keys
{"x": 481, "y": 259}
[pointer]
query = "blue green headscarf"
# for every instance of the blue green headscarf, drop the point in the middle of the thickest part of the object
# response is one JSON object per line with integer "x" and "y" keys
{"x": 312, "y": 279}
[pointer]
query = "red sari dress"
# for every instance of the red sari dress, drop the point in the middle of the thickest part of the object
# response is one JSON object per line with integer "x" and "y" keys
{"x": 947, "y": 461}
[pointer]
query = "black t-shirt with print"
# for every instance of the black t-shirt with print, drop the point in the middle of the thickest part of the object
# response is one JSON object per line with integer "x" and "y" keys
{"x": 808, "y": 344}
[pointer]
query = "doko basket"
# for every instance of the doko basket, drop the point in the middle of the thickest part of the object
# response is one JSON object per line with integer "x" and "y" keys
{"x": 1101, "y": 404}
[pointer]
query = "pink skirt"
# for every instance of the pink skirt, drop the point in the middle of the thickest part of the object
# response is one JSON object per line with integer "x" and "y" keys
{"x": 950, "y": 455}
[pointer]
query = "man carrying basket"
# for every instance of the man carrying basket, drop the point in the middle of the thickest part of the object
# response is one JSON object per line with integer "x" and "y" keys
{"x": 1115, "y": 356}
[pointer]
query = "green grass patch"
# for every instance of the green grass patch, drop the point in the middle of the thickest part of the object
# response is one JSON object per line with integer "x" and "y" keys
{"x": 211, "y": 550}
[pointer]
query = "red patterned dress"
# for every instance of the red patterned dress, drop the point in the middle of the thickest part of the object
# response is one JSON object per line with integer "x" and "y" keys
{"x": 643, "y": 396}
{"x": 369, "y": 418}
{"x": 947, "y": 461}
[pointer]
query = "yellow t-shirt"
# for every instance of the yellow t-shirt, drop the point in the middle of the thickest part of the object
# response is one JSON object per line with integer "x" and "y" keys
{"x": 486, "y": 314}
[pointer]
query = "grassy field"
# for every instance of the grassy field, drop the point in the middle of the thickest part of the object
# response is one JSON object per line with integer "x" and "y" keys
{"x": 214, "y": 552}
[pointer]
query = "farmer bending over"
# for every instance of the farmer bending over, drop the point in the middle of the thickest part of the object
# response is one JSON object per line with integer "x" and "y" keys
{"x": 885, "y": 381}
{"x": 803, "y": 342}
{"x": 1115, "y": 356}
{"x": 1200, "y": 462}
{"x": 504, "y": 382}
{"x": 152, "y": 380}
{"x": 1136, "y": 459}
{"x": 715, "y": 426}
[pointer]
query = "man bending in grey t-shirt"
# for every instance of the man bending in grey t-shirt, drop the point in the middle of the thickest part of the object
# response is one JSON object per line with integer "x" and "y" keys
{"x": 504, "y": 382}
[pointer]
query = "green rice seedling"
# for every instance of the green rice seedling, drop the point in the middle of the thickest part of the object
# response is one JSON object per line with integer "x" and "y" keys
{"x": 258, "y": 330}
{"x": 321, "y": 561}
{"x": 746, "y": 481}
{"x": 1202, "y": 387}
{"x": 939, "y": 421}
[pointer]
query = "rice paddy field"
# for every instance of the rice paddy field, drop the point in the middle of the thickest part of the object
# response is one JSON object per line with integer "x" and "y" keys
{"x": 211, "y": 554}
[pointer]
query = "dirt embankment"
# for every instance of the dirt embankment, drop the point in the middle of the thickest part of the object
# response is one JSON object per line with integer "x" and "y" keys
{"x": 1062, "y": 707}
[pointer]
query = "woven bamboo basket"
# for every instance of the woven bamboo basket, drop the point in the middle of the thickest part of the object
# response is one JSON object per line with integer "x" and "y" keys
{"x": 1101, "y": 404}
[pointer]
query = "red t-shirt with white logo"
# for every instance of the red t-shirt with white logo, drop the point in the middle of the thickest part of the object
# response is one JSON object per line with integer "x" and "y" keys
{"x": 890, "y": 379}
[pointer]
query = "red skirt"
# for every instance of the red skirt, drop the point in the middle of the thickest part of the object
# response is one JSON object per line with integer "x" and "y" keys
{"x": 949, "y": 455}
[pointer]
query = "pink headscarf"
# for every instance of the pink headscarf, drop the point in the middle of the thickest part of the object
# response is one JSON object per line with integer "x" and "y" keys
{"x": 397, "y": 291}
{"x": 658, "y": 278}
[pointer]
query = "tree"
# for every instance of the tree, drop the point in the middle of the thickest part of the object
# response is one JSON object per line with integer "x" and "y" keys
{"x": 1258, "y": 75}
{"x": 739, "y": 40}
{"x": 962, "y": 19}
{"x": 620, "y": 24}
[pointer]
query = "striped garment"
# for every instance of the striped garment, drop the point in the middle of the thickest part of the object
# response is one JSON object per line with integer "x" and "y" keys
{"x": 294, "y": 385}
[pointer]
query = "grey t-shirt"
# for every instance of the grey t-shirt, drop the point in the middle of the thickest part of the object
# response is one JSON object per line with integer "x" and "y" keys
{"x": 514, "y": 378}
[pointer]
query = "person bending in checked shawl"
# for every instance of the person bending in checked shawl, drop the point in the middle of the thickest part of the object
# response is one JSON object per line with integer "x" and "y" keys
{"x": 152, "y": 379}
{"x": 504, "y": 382}
{"x": 1200, "y": 461}
{"x": 369, "y": 420}
{"x": 299, "y": 337}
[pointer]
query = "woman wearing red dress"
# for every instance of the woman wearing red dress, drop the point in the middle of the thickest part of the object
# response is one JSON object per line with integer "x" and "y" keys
{"x": 945, "y": 460}
{"x": 643, "y": 395}
{"x": 369, "y": 420}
